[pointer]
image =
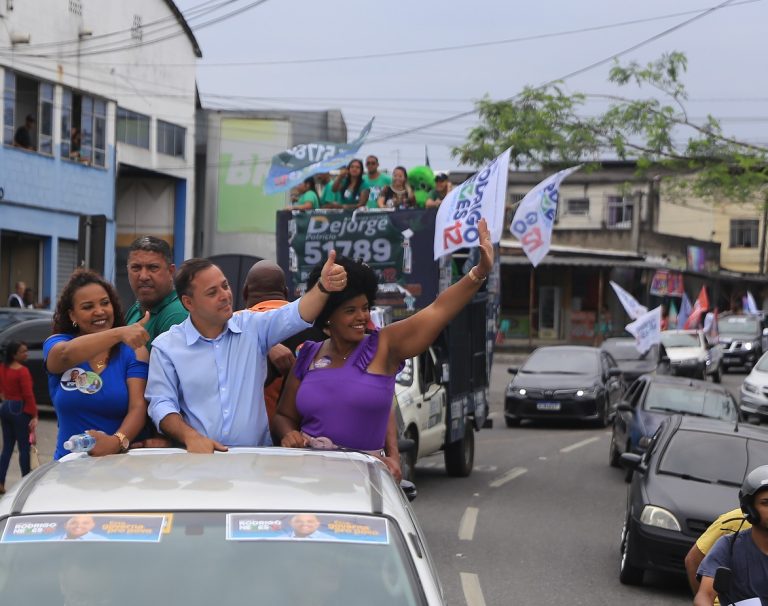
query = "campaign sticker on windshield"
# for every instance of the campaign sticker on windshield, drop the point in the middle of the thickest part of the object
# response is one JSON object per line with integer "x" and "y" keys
{"x": 335, "y": 528}
{"x": 84, "y": 527}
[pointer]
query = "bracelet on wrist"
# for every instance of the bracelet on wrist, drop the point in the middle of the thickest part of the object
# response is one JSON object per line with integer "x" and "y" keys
{"x": 322, "y": 288}
{"x": 474, "y": 277}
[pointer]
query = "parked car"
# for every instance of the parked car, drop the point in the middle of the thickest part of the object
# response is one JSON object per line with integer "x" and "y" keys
{"x": 566, "y": 382}
{"x": 742, "y": 340}
{"x": 163, "y": 526}
{"x": 631, "y": 362}
{"x": 689, "y": 475}
{"x": 753, "y": 395}
{"x": 422, "y": 400}
{"x": 690, "y": 355}
{"x": 33, "y": 326}
{"x": 652, "y": 398}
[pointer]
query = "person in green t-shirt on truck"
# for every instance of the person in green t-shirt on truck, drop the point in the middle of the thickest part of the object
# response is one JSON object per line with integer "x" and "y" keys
{"x": 374, "y": 181}
{"x": 308, "y": 199}
{"x": 150, "y": 274}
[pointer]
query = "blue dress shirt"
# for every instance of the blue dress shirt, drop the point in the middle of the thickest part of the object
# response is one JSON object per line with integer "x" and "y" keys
{"x": 217, "y": 385}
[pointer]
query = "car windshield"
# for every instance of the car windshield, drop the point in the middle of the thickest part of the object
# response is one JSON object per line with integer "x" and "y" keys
{"x": 762, "y": 364}
{"x": 625, "y": 350}
{"x": 739, "y": 326}
{"x": 206, "y": 558}
{"x": 680, "y": 339}
{"x": 555, "y": 360}
{"x": 689, "y": 454}
{"x": 688, "y": 400}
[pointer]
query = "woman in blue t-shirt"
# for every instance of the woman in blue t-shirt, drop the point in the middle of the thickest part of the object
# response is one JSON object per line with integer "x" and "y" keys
{"x": 97, "y": 366}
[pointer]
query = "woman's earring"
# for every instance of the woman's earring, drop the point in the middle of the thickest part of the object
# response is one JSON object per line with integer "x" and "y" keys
{"x": 74, "y": 324}
{"x": 327, "y": 322}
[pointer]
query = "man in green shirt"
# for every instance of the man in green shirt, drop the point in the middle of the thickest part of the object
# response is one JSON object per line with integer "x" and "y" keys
{"x": 374, "y": 181}
{"x": 150, "y": 273}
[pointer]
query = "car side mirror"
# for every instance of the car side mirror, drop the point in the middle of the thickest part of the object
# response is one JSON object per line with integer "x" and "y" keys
{"x": 512, "y": 370}
{"x": 722, "y": 582}
{"x": 614, "y": 372}
{"x": 624, "y": 406}
{"x": 765, "y": 332}
{"x": 633, "y": 461}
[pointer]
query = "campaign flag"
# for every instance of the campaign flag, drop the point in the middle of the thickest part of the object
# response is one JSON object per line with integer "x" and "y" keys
{"x": 646, "y": 329}
{"x": 533, "y": 220}
{"x": 631, "y": 306}
{"x": 749, "y": 305}
{"x": 291, "y": 167}
{"x": 672, "y": 315}
{"x": 685, "y": 311}
{"x": 480, "y": 196}
{"x": 700, "y": 306}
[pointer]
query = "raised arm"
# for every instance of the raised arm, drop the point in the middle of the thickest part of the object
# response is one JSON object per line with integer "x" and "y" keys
{"x": 66, "y": 354}
{"x": 413, "y": 335}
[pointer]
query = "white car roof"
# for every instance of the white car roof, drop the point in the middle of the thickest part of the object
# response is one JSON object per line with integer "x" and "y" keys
{"x": 241, "y": 479}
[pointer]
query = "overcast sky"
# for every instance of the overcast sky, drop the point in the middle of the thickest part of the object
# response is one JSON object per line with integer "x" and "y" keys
{"x": 727, "y": 52}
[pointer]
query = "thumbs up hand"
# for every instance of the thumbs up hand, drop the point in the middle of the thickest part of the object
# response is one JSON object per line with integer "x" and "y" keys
{"x": 135, "y": 335}
{"x": 333, "y": 277}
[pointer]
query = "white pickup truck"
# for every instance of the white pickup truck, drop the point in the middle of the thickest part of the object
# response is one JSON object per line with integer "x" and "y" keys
{"x": 423, "y": 401}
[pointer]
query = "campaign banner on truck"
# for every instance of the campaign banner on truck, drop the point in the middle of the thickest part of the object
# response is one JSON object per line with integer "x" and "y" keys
{"x": 479, "y": 197}
{"x": 534, "y": 217}
{"x": 395, "y": 244}
{"x": 291, "y": 167}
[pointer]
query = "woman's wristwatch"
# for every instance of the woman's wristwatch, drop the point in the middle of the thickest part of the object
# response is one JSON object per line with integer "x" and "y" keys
{"x": 124, "y": 442}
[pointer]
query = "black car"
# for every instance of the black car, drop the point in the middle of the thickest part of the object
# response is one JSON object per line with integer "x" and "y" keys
{"x": 741, "y": 337}
{"x": 689, "y": 475}
{"x": 33, "y": 326}
{"x": 564, "y": 382}
{"x": 652, "y": 398}
{"x": 631, "y": 362}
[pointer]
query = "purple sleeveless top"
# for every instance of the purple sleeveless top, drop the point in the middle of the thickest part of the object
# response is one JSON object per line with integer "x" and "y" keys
{"x": 349, "y": 405}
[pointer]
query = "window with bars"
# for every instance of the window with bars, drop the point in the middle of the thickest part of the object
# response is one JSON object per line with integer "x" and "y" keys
{"x": 577, "y": 206}
{"x": 170, "y": 139}
{"x": 132, "y": 128}
{"x": 619, "y": 210}
{"x": 744, "y": 233}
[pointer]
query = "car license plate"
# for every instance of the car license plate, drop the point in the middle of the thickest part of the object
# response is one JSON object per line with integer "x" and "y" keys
{"x": 548, "y": 406}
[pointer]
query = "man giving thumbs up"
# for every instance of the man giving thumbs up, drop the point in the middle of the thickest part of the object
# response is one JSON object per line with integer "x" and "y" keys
{"x": 206, "y": 375}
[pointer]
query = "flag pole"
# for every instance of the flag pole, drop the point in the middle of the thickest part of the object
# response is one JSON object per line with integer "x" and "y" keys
{"x": 600, "y": 295}
{"x": 531, "y": 286}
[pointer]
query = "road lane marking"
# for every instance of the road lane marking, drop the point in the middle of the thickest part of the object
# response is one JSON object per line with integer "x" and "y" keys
{"x": 473, "y": 594}
{"x": 579, "y": 444}
{"x": 468, "y": 523}
{"x": 513, "y": 473}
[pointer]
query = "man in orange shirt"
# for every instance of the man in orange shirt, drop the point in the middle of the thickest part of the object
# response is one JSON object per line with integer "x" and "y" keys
{"x": 265, "y": 290}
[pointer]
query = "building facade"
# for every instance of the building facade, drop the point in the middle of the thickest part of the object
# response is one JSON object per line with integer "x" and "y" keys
{"x": 98, "y": 103}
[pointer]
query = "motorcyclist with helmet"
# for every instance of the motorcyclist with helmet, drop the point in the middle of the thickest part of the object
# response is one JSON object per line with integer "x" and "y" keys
{"x": 740, "y": 560}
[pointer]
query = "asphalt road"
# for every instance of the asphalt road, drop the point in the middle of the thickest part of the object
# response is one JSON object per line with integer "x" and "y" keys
{"x": 537, "y": 522}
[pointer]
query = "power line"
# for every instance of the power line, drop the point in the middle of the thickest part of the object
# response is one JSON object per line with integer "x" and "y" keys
{"x": 570, "y": 74}
{"x": 457, "y": 47}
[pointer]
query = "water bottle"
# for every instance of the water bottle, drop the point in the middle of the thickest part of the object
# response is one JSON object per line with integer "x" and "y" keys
{"x": 81, "y": 442}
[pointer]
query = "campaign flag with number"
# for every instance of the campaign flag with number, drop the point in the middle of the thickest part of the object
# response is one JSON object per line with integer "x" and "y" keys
{"x": 631, "y": 306}
{"x": 480, "y": 196}
{"x": 291, "y": 167}
{"x": 533, "y": 220}
{"x": 646, "y": 329}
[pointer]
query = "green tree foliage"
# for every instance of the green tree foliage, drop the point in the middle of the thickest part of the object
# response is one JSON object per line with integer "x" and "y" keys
{"x": 547, "y": 125}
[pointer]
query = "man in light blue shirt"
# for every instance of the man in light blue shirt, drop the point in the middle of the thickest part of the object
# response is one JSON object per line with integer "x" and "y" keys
{"x": 206, "y": 375}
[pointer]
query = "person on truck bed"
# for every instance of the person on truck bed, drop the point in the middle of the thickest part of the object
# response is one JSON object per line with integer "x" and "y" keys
{"x": 339, "y": 392}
